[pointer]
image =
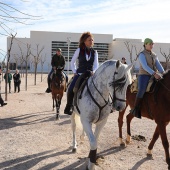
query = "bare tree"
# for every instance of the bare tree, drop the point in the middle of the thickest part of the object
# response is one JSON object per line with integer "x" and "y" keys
{"x": 130, "y": 49}
{"x": 7, "y": 65}
{"x": 167, "y": 58}
{"x": 42, "y": 61}
{"x": 26, "y": 59}
{"x": 37, "y": 59}
{"x": 9, "y": 14}
{"x": 21, "y": 58}
{"x": 137, "y": 52}
{"x": 16, "y": 60}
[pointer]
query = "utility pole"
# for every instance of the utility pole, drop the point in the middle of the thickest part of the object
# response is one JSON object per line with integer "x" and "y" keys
{"x": 68, "y": 42}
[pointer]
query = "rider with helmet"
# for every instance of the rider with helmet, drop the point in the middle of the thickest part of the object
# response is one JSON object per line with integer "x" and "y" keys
{"x": 149, "y": 66}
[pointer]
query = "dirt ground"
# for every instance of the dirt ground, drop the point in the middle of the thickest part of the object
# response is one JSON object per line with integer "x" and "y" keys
{"x": 31, "y": 138}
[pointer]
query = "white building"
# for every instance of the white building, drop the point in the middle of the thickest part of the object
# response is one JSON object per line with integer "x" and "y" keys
{"x": 105, "y": 45}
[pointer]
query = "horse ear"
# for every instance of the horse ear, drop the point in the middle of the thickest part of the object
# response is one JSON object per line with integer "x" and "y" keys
{"x": 117, "y": 63}
{"x": 129, "y": 66}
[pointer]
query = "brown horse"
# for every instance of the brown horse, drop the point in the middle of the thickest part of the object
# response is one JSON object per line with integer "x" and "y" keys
{"x": 58, "y": 86}
{"x": 155, "y": 106}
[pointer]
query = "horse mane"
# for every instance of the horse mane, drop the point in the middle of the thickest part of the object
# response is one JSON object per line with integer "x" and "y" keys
{"x": 166, "y": 73}
{"x": 104, "y": 65}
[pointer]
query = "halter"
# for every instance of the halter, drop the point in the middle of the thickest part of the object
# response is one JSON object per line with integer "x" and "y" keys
{"x": 121, "y": 82}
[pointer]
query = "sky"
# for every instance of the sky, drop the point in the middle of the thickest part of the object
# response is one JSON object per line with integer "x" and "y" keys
{"x": 136, "y": 19}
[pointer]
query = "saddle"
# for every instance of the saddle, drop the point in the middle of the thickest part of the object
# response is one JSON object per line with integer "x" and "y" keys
{"x": 150, "y": 88}
{"x": 80, "y": 85}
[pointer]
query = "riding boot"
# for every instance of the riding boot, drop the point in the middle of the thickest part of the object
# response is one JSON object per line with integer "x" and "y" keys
{"x": 2, "y": 102}
{"x": 69, "y": 106}
{"x": 136, "y": 110}
{"x": 49, "y": 86}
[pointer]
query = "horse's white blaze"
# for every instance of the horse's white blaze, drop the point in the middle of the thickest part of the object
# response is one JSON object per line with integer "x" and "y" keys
{"x": 90, "y": 111}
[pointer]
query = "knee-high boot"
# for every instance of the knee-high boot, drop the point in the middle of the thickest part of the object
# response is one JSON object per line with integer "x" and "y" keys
{"x": 69, "y": 106}
{"x": 2, "y": 102}
{"x": 136, "y": 110}
{"x": 49, "y": 84}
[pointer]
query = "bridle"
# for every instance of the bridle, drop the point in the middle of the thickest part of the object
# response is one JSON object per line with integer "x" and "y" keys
{"x": 117, "y": 85}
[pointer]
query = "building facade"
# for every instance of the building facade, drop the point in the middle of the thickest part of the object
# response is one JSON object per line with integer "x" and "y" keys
{"x": 48, "y": 42}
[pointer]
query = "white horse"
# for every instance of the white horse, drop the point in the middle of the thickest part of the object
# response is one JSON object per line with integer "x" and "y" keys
{"x": 104, "y": 90}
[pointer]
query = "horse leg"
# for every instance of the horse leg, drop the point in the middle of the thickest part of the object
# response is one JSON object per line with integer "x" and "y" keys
{"x": 93, "y": 144}
{"x": 82, "y": 135}
{"x": 120, "y": 124}
{"x": 154, "y": 139}
{"x": 163, "y": 134}
{"x": 57, "y": 109}
{"x": 73, "y": 126}
{"x": 99, "y": 127}
{"x": 129, "y": 118}
{"x": 53, "y": 103}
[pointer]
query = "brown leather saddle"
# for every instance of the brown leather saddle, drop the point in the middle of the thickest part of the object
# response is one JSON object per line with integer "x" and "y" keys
{"x": 150, "y": 87}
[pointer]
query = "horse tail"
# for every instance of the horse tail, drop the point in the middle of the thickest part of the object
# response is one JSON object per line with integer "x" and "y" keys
{"x": 78, "y": 121}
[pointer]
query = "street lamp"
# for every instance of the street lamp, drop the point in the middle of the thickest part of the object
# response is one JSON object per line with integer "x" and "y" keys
{"x": 68, "y": 42}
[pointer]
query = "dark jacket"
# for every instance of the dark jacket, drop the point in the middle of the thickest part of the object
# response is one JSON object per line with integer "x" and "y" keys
{"x": 58, "y": 61}
{"x": 9, "y": 77}
{"x": 16, "y": 78}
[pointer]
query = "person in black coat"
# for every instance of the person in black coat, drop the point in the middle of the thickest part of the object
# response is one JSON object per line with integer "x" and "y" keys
{"x": 1, "y": 100}
{"x": 17, "y": 81}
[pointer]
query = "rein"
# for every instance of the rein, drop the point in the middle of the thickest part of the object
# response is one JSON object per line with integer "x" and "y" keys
{"x": 121, "y": 82}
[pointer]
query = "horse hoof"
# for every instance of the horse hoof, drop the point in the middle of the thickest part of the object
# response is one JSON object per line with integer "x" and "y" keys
{"x": 57, "y": 117}
{"x": 74, "y": 150}
{"x": 149, "y": 156}
{"x": 127, "y": 142}
{"x": 123, "y": 144}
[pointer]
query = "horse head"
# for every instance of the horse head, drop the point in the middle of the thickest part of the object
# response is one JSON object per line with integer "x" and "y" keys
{"x": 58, "y": 78}
{"x": 121, "y": 78}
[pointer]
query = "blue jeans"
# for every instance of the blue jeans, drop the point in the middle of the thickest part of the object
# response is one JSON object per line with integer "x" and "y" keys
{"x": 70, "y": 89}
{"x": 143, "y": 81}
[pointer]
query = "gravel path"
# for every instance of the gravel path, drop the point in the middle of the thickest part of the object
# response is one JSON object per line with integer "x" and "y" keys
{"x": 31, "y": 138}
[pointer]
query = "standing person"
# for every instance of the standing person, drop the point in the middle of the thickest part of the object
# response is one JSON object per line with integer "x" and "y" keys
{"x": 87, "y": 61}
{"x": 58, "y": 60}
{"x": 149, "y": 66}
{"x": 123, "y": 60}
{"x": 17, "y": 81}
{"x": 1, "y": 100}
{"x": 9, "y": 78}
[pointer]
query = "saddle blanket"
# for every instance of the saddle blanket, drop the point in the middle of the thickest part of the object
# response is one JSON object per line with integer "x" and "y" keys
{"x": 134, "y": 85}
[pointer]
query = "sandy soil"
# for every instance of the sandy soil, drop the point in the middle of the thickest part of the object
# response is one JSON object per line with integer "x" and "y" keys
{"x": 31, "y": 138}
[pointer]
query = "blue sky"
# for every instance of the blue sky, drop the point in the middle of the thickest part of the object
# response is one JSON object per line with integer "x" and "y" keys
{"x": 122, "y": 18}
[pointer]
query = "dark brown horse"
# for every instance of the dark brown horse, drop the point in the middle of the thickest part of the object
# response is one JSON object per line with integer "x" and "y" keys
{"x": 155, "y": 106}
{"x": 58, "y": 86}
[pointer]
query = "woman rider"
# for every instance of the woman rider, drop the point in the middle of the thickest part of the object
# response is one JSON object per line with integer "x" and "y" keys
{"x": 87, "y": 61}
{"x": 149, "y": 66}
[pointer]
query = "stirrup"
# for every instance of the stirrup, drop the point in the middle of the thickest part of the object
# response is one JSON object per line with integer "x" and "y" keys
{"x": 136, "y": 112}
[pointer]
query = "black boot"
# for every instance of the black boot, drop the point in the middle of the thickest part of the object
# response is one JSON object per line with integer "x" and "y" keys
{"x": 69, "y": 106}
{"x": 2, "y": 102}
{"x": 49, "y": 86}
{"x": 136, "y": 110}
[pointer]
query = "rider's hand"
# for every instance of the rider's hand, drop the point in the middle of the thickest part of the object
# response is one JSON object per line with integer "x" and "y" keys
{"x": 157, "y": 76}
{"x": 54, "y": 68}
{"x": 75, "y": 74}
